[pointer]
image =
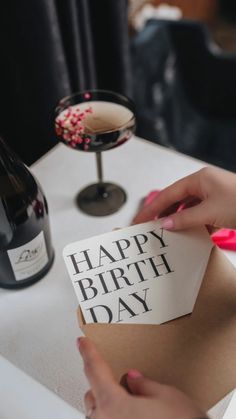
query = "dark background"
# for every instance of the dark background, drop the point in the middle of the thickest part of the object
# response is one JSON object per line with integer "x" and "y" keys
{"x": 49, "y": 49}
{"x": 183, "y": 87}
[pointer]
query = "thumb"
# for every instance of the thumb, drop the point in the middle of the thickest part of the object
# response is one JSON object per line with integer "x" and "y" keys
{"x": 187, "y": 218}
{"x": 142, "y": 386}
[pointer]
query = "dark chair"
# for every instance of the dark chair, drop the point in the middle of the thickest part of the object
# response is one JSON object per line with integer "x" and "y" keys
{"x": 185, "y": 91}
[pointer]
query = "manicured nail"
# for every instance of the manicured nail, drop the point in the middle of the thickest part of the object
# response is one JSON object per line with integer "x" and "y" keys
{"x": 133, "y": 374}
{"x": 167, "y": 223}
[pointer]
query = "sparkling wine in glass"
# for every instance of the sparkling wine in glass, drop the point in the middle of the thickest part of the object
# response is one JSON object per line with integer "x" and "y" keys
{"x": 96, "y": 121}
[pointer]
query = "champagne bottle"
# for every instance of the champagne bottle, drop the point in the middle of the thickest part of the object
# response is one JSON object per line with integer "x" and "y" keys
{"x": 26, "y": 252}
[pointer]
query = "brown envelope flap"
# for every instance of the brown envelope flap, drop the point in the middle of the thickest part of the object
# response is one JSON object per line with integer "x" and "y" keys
{"x": 196, "y": 353}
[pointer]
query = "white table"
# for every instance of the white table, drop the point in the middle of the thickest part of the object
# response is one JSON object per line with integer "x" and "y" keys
{"x": 38, "y": 326}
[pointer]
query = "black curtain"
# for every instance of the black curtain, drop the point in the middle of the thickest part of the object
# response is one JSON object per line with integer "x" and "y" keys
{"x": 49, "y": 49}
{"x": 227, "y": 10}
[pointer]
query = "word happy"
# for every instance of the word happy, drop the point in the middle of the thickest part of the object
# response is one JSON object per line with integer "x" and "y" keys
{"x": 114, "y": 282}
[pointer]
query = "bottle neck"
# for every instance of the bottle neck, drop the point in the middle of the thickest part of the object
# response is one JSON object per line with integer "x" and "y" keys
{"x": 5, "y": 158}
{"x": 15, "y": 178}
{"x": 6, "y": 230}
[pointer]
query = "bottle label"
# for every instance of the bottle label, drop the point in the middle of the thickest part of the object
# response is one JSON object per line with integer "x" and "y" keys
{"x": 29, "y": 259}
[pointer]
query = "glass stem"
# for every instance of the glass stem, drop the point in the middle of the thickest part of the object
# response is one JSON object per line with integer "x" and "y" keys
{"x": 101, "y": 189}
{"x": 99, "y": 167}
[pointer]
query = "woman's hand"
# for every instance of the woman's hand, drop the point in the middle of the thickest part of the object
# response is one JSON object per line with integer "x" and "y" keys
{"x": 209, "y": 198}
{"x": 147, "y": 399}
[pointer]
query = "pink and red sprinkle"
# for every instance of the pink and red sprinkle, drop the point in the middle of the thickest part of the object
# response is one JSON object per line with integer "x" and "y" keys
{"x": 87, "y": 95}
{"x": 71, "y": 128}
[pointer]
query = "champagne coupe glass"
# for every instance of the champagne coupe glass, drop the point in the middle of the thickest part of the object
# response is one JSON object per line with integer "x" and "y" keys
{"x": 95, "y": 121}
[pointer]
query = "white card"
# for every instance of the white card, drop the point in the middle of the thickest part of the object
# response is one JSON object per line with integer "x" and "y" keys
{"x": 139, "y": 274}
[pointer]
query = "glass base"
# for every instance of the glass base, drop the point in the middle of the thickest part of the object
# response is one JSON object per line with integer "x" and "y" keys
{"x": 101, "y": 199}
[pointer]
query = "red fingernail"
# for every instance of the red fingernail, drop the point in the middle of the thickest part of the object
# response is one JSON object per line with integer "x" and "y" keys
{"x": 167, "y": 224}
{"x": 134, "y": 374}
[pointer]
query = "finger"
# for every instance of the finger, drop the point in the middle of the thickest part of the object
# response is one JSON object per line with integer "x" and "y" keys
{"x": 170, "y": 210}
{"x": 142, "y": 386}
{"x": 173, "y": 194}
{"x": 123, "y": 383}
{"x": 188, "y": 218}
{"x": 97, "y": 370}
{"x": 89, "y": 402}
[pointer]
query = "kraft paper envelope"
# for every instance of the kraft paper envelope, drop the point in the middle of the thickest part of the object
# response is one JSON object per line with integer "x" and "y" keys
{"x": 196, "y": 353}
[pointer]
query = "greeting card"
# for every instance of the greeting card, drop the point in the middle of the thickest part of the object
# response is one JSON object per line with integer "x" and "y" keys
{"x": 140, "y": 274}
